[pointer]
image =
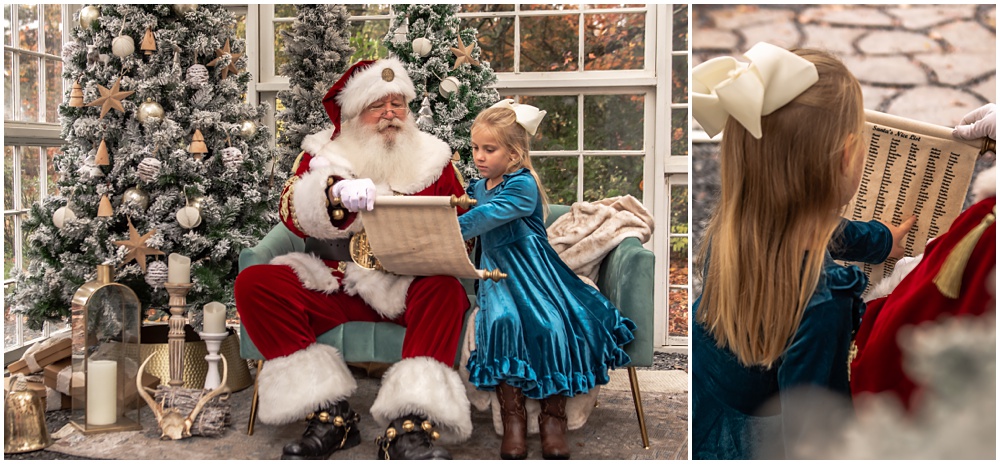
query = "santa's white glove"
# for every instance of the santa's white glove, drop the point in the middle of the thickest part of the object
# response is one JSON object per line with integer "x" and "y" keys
{"x": 979, "y": 123}
{"x": 355, "y": 194}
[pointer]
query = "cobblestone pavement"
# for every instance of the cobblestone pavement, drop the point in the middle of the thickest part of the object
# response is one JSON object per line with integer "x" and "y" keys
{"x": 932, "y": 63}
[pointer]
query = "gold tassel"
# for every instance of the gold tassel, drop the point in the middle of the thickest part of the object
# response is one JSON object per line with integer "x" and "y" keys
{"x": 949, "y": 278}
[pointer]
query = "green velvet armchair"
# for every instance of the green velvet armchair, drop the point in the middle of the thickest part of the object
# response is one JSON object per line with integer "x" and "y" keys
{"x": 625, "y": 277}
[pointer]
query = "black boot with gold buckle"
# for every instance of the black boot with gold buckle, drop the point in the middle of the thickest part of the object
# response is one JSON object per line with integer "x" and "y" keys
{"x": 330, "y": 429}
{"x": 410, "y": 437}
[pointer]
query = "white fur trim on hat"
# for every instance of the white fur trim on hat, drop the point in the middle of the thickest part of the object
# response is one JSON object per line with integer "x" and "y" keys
{"x": 368, "y": 85}
{"x": 426, "y": 387}
{"x": 384, "y": 292}
{"x": 295, "y": 385}
{"x": 311, "y": 271}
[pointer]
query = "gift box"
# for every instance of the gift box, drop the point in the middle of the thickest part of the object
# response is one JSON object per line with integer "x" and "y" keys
{"x": 35, "y": 361}
{"x": 57, "y": 375}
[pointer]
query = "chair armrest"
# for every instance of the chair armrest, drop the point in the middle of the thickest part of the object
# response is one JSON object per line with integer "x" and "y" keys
{"x": 277, "y": 242}
{"x": 626, "y": 278}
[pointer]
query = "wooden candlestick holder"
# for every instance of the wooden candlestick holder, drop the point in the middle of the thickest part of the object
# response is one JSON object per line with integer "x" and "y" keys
{"x": 175, "y": 338}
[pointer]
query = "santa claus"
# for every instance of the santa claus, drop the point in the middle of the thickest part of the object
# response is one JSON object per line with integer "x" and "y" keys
{"x": 374, "y": 148}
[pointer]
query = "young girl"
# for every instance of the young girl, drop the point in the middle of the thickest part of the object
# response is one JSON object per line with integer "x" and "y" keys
{"x": 776, "y": 311}
{"x": 540, "y": 333}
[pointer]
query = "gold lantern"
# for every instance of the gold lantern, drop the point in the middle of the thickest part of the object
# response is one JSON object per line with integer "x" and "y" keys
{"x": 106, "y": 319}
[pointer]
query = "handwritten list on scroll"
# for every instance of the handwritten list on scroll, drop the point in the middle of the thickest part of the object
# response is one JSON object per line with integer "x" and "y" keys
{"x": 418, "y": 236}
{"x": 911, "y": 168}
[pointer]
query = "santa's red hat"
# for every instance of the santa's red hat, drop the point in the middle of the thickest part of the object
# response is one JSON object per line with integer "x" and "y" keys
{"x": 364, "y": 83}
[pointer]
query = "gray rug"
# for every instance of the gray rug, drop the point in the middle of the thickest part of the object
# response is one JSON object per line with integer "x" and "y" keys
{"x": 612, "y": 432}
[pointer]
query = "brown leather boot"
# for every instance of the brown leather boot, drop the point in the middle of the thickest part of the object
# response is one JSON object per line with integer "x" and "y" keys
{"x": 552, "y": 427}
{"x": 515, "y": 422}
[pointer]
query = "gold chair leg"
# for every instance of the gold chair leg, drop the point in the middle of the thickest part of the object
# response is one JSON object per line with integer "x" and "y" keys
{"x": 637, "y": 399}
{"x": 253, "y": 401}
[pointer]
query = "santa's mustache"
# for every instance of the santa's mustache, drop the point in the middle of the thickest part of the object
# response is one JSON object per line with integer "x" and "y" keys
{"x": 386, "y": 123}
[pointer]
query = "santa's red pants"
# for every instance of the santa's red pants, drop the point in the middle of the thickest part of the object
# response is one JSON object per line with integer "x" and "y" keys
{"x": 282, "y": 317}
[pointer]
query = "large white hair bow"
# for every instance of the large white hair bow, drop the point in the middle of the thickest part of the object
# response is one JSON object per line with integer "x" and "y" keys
{"x": 723, "y": 87}
{"x": 527, "y": 116}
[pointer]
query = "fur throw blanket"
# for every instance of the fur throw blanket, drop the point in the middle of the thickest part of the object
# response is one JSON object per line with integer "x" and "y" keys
{"x": 589, "y": 231}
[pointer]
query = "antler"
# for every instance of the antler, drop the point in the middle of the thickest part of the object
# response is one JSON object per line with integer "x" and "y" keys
{"x": 204, "y": 399}
{"x": 157, "y": 409}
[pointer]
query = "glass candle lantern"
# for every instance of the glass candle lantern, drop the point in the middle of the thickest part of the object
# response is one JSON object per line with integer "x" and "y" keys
{"x": 106, "y": 318}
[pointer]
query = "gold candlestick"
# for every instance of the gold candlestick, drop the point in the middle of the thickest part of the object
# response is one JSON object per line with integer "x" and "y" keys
{"x": 175, "y": 338}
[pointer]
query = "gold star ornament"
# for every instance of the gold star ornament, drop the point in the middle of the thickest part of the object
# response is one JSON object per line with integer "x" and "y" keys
{"x": 463, "y": 54}
{"x": 136, "y": 246}
{"x": 231, "y": 67}
{"x": 111, "y": 98}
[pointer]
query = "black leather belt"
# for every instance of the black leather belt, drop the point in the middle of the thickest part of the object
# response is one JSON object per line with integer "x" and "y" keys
{"x": 330, "y": 249}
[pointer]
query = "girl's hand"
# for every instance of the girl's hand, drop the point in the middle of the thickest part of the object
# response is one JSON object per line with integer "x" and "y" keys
{"x": 898, "y": 234}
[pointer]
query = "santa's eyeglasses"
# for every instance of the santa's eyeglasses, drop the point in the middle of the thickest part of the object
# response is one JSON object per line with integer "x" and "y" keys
{"x": 380, "y": 108}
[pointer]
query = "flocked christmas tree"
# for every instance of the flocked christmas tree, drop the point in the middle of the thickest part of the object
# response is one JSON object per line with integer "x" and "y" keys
{"x": 161, "y": 154}
{"x": 319, "y": 51}
{"x": 452, "y": 81}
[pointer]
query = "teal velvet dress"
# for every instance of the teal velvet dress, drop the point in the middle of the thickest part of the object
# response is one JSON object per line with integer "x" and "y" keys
{"x": 541, "y": 329}
{"x": 727, "y": 398}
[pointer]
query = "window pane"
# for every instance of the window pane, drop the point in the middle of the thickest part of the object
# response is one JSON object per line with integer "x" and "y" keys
{"x": 9, "y": 233}
{"x": 51, "y": 171}
{"x": 366, "y": 38}
{"x": 368, "y": 9}
{"x": 496, "y": 39}
{"x": 53, "y": 89}
{"x": 678, "y": 132}
{"x": 241, "y": 25}
{"x": 613, "y": 122}
{"x": 27, "y": 27}
{"x": 615, "y": 41}
{"x": 53, "y": 29}
{"x": 8, "y": 178}
{"x": 285, "y": 11}
{"x": 559, "y": 128}
{"x": 8, "y": 86}
{"x": 28, "y": 88}
{"x": 536, "y": 6}
{"x": 558, "y": 175}
{"x": 7, "y": 40}
{"x": 9, "y": 320}
{"x": 678, "y": 323}
{"x": 679, "y": 78}
{"x": 612, "y": 176}
{"x": 550, "y": 43}
{"x": 280, "y": 57}
{"x": 57, "y": 326}
{"x": 29, "y": 176}
{"x": 476, "y": 7}
{"x": 678, "y": 225}
{"x": 678, "y": 272}
{"x": 28, "y": 334}
{"x": 680, "y": 27}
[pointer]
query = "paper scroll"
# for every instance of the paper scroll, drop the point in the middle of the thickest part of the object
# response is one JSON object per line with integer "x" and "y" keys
{"x": 420, "y": 236}
{"x": 911, "y": 168}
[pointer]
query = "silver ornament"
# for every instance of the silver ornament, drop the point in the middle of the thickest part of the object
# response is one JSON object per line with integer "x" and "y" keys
{"x": 399, "y": 38}
{"x": 232, "y": 157}
{"x": 149, "y": 109}
{"x": 422, "y": 46}
{"x": 449, "y": 86}
{"x": 90, "y": 168}
{"x": 248, "y": 128}
{"x": 62, "y": 216}
{"x": 426, "y": 119}
{"x": 123, "y": 46}
{"x": 89, "y": 15}
{"x": 197, "y": 75}
{"x": 136, "y": 196}
{"x": 149, "y": 169}
{"x": 183, "y": 9}
{"x": 156, "y": 274}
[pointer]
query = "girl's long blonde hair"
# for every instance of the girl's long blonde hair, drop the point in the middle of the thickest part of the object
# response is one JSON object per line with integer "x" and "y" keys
{"x": 776, "y": 214}
{"x": 502, "y": 124}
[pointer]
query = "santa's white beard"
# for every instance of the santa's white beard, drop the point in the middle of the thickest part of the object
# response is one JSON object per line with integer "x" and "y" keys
{"x": 383, "y": 153}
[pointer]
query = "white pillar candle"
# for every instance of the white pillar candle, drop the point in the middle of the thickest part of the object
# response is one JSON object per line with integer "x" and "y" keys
{"x": 102, "y": 392}
{"x": 178, "y": 269}
{"x": 215, "y": 318}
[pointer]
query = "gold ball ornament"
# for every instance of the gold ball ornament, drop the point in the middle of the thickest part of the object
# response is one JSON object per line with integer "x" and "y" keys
{"x": 196, "y": 201}
{"x": 422, "y": 46}
{"x": 189, "y": 217}
{"x": 136, "y": 196}
{"x": 123, "y": 46}
{"x": 62, "y": 216}
{"x": 149, "y": 109}
{"x": 182, "y": 9}
{"x": 89, "y": 15}
{"x": 449, "y": 86}
{"x": 248, "y": 128}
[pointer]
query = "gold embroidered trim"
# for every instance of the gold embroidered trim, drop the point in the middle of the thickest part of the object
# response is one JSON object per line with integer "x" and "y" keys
{"x": 287, "y": 209}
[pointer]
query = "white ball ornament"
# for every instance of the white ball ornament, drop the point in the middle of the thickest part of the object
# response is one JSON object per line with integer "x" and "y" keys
{"x": 248, "y": 128}
{"x": 422, "y": 46}
{"x": 189, "y": 217}
{"x": 449, "y": 86}
{"x": 123, "y": 46}
{"x": 156, "y": 274}
{"x": 89, "y": 15}
{"x": 149, "y": 169}
{"x": 197, "y": 75}
{"x": 62, "y": 216}
{"x": 232, "y": 157}
{"x": 149, "y": 109}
